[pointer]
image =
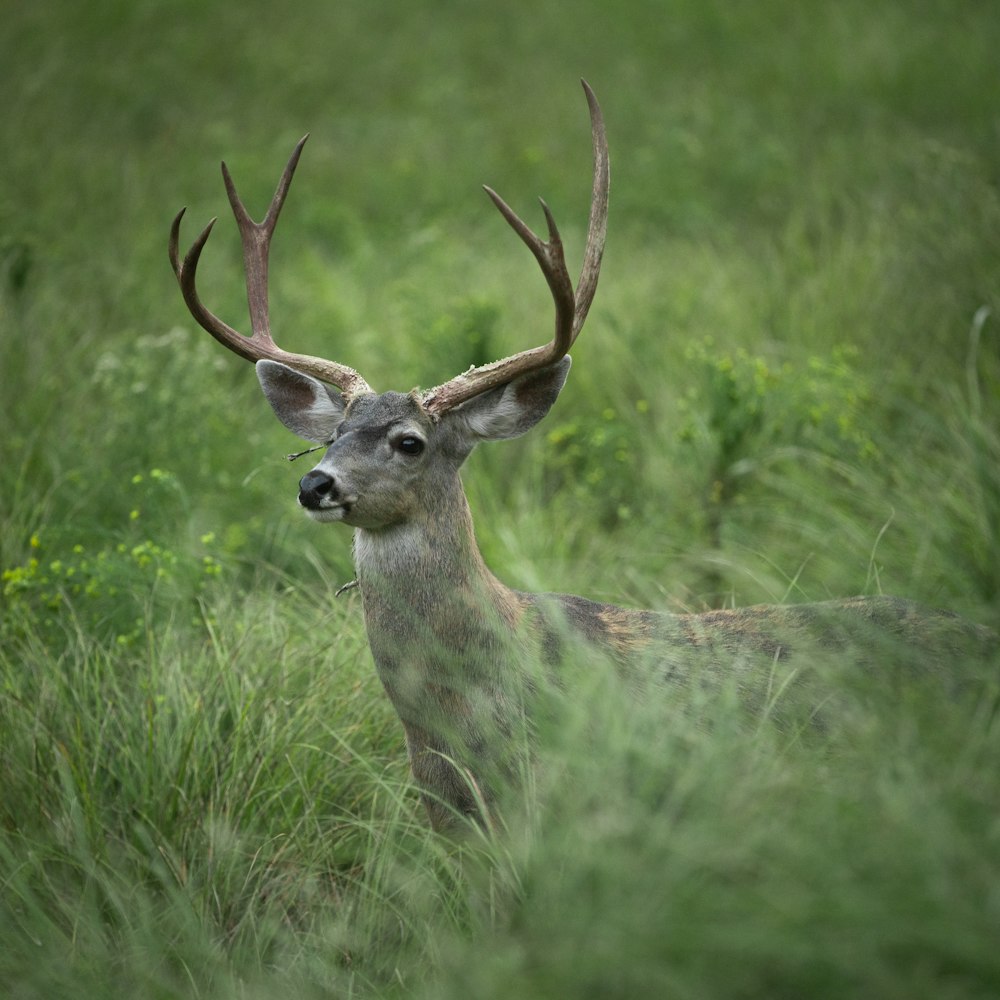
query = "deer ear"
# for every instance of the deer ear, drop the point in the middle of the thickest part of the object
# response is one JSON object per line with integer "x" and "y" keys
{"x": 512, "y": 409}
{"x": 305, "y": 405}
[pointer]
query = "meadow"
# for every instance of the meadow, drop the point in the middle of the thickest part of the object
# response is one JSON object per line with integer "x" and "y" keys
{"x": 788, "y": 389}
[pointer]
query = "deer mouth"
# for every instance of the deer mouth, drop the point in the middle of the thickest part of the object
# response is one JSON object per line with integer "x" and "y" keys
{"x": 327, "y": 510}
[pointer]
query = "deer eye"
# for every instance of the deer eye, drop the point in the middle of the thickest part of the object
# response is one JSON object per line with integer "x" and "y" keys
{"x": 410, "y": 445}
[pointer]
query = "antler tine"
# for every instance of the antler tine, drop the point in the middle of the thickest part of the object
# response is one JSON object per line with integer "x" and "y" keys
{"x": 571, "y": 307}
{"x": 552, "y": 261}
{"x": 256, "y": 240}
{"x": 185, "y": 272}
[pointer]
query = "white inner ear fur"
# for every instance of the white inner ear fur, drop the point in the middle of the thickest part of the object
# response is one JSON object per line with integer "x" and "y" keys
{"x": 500, "y": 420}
{"x": 516, "y": 407}
{"x": 324, "y": 413}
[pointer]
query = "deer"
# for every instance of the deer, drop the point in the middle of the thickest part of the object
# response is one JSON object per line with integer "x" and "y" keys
{"x": 452, "y": 644}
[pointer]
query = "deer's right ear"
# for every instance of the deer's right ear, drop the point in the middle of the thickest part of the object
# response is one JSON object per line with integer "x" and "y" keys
{"x": 302, "y": 403}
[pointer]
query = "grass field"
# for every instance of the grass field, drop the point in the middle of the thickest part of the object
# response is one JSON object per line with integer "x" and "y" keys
{"x": 788, "y": 389}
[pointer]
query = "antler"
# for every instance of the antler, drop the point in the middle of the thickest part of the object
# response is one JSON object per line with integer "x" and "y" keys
{"x": 256, "y": 239}
{"x": 571, "y": 308}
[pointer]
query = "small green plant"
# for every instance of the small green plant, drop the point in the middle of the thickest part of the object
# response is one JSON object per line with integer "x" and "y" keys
{"x": 745, "y": 413}
{"x": 594, "y": 461}
{"x": 107, "y": 589}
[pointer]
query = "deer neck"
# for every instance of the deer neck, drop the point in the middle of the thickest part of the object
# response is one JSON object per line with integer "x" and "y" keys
{"x": 426, "y": 577}
{"x": 444, "y": 635}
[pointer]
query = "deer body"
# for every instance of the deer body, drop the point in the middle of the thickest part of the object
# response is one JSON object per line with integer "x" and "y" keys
{"x": 459, "y": 653}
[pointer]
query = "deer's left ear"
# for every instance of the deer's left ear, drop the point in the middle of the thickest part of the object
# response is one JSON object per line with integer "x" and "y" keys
{"x": 512, "y": 409}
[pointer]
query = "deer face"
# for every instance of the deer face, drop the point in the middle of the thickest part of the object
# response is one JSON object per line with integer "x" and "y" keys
{"x": 372, "y": 470}
{"x": 388, "y": 459}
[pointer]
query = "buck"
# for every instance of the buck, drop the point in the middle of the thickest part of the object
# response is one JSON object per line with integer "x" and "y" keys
{"x": 453, "y": 646}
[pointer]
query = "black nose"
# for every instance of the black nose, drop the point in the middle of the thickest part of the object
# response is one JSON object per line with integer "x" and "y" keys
{"x": 313, "y": 487}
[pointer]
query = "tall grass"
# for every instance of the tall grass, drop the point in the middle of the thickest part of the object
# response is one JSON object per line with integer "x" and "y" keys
{"x": 789, "y": 388}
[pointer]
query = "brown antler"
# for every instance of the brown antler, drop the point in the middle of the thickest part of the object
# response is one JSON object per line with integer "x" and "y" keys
{"x": 256, "y": 239}
{"x": 571, "y": 308}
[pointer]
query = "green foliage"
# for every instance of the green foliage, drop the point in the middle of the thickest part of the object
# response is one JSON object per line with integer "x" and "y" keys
{"x": 203, "y": 791}
{"x": 744, "y": 415}
{"x": 963, "y": 433}
{"x": 726, "y": 860}
{"x": 116, "y": 591}
{"x": 746, "y": 406}
{"x": 595, "y": 458}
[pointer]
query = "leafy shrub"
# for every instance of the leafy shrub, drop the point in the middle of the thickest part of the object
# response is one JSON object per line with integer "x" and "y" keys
{"x": 743, "y": 414}
{"x": 108, "y": 590}
{"x": 594, "y": 462}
